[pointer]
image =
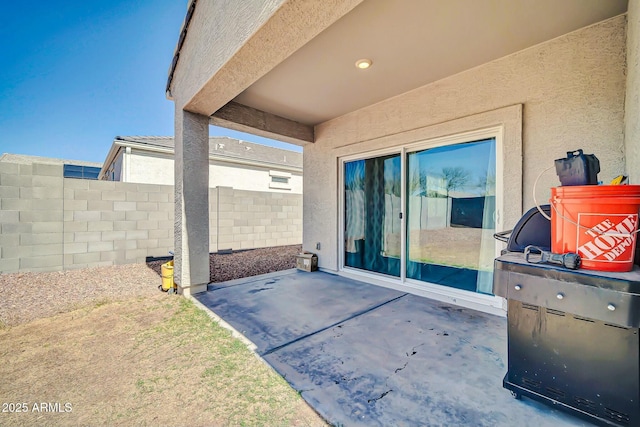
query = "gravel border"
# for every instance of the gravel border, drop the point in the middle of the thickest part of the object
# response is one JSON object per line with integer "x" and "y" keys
{"x": 28, "y": 296}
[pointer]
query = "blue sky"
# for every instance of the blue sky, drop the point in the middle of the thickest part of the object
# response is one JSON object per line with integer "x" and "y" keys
{"x": 75, "y": 74}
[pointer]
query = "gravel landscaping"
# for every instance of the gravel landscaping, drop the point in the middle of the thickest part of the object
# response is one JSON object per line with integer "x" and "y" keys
{"x": 28, "y": 296}
{"x": 236, "y": 265}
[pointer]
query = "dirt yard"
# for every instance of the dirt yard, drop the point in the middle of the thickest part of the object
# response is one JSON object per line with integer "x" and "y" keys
{"x": 124, "y": 353}
{"x": 447, "y": 246}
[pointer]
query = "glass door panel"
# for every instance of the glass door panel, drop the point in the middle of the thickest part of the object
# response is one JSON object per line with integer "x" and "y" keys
{"x": 372, "y": 196}
{"x": 450, "y": 215}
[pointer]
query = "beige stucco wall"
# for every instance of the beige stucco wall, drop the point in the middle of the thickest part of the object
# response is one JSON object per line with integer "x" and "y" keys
{"x": 250, "y": 39}
{"x": 149, "y": 168}
{"x": 251, "y": 178}
{"x": 158, "y": 168}
{"x": 632, "y": 105}
{"x": 572, "y": 95}
{"x": 234, "y": 21}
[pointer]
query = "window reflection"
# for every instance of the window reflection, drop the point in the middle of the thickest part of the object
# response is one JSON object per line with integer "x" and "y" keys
{"x": 372, "y": 214}
{"x": 450, "y": 214}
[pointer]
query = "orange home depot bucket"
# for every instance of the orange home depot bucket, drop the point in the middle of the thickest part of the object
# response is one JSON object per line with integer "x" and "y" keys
{"x": 598, "y": 222}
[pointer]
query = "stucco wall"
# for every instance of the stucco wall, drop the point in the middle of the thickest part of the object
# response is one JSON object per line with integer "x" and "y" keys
{"x": 251, "y": 178}
{"x": 572, "y": 92}
{"x": 150, "y": 168}
{"x": 632, "y": 105}
{"x": 235, "y": 22}
{"x": 157, "y": 168}
{"x": 251, "y": 38}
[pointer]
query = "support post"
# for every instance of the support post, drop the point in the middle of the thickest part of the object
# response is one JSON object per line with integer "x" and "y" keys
{"x": 191, "y": 260}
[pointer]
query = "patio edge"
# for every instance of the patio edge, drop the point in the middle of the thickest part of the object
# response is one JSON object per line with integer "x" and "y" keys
{"x": 220, "y": 321}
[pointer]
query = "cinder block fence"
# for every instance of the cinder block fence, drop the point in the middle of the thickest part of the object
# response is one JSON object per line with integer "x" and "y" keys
{"x": 50, "y": 223}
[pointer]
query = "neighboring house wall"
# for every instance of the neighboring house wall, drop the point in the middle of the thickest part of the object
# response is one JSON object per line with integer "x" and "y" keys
{"x": 114, "y": 172}
{"x": 252, "y": 178}
{"x": 157, "y": 168}
{"x": 154, "y": 164}
{"x": 571, "y": 91}
{"x": 149, "y": 168}
{"x": 50, "y": 223}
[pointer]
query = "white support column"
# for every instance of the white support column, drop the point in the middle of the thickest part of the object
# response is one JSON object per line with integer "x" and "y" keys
{"x": 191, "y": 269}
{"x": 632, "y": 101}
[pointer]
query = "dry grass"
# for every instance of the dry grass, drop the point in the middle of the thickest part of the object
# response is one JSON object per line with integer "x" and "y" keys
{"x": 454, "y": 246}
{"x": 151, "y": 361}
{"x": 130, "y": 355}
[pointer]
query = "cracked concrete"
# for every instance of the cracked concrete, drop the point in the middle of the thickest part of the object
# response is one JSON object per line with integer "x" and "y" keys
{"x": 366, "y": 355}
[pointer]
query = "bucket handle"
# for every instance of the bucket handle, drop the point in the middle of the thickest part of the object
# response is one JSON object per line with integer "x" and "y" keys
{"x": 553, "y": 206}
{"x": 535, "y": 200}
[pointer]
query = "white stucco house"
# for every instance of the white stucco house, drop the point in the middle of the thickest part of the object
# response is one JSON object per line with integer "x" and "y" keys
{"x": 232, "y": 162}
{"x": 424, "y": 123}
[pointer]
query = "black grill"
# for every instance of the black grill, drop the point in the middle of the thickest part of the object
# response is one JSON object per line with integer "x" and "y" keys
{"x": 573, "y": 338}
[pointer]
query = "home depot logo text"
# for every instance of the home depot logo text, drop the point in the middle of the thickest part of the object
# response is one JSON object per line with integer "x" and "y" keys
{"x": 608, "y": 241}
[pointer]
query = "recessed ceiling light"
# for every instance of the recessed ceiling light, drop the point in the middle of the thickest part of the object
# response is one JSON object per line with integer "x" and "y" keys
{"x": 363, "y": 64}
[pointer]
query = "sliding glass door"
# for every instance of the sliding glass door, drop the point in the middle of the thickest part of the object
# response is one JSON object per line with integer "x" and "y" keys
{"x": 372, "y": 217}
{"x": 450, "y": 215}
{"x": 426, "y": 214}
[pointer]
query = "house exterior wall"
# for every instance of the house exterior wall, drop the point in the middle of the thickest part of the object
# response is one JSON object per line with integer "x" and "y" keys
{"x": 632, "y": 99}
{"x": 150, "y": 168}
{"x": 50, "y": 223}
{"x": 158, "y": 168}
{"x": 117, "y": 168}
{"x": 571, "y": 90}
{"x": 251, "y": 178}
{"x": 235, "y": 22}
{"x": 250, "y": 39}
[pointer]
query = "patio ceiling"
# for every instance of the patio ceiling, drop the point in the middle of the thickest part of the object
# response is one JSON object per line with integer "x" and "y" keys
{"x": 411, "y": 43}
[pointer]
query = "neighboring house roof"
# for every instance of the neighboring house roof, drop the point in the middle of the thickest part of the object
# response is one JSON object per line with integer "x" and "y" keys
{"x": 221, "y": 148}
{"x": 27, "y": 160}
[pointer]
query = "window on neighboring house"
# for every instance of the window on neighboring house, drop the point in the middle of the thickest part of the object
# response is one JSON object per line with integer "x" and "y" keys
{"x": 81, "y": 172}
{"x": 280, "y": 180}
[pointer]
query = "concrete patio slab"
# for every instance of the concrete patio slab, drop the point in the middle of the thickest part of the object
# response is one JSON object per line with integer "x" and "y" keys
{"x": 275, "y": 309}
{"x": 366, "y": 355}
